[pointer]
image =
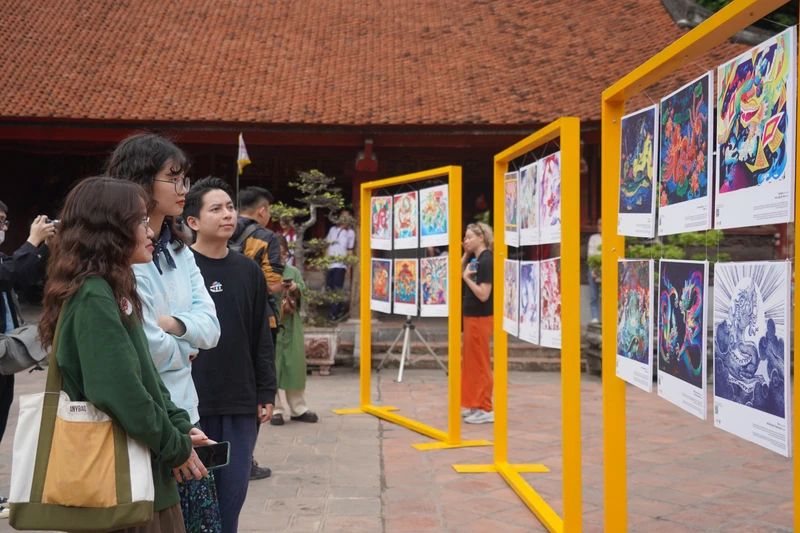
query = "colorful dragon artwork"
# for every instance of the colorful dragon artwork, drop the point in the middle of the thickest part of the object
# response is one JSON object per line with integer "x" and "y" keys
{"x": 433, "y": 211}
{"x": 528, "y": 199}
{"x": 511, "y": 291}
{"x": 381, "y": 217}
{"x": 680, "y": 321}
{"x": 684, "y": 143}
{"x": 637, "y": 165}
{"x": 529, "y": 293}
{"x": 551, "y": 190}
{"x": 380, "y": 280}
{"x": 753, "y": 115}
{"x": 405, "y": 282}
{"x": 550, "y": 276}
{"x": 511, "y": 202}
{"x": 434, "y": 280}
{"x": 633, "y": 311}
{"x": 405, "y": 215}
{"x": 749, "y": 351}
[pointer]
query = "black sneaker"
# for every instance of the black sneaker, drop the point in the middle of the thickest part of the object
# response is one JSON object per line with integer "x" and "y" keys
{"x": 308, "y": 416}
{"x": 276, "y": 420}
{"x": 258, "y": 472}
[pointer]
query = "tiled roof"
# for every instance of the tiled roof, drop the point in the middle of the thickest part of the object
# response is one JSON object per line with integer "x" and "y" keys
{"x": 349, "y": 62}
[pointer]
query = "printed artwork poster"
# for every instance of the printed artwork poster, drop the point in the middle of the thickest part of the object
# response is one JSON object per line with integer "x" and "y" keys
{"x": 434, "y": 203}
{"x": 381, "y": 224}
{"x": 511, "y": 208}
{"x": 635, "y": 322}
{"x": 550, "y": 306}
{"x": 380, "y": 287}
{"x": 686, "y": 158}
{"x": 529, "y": 183}
{"x": 756, "y": 96}
{"x": 752, "y": 384}
{"x": 529, "y": 301}
{"x": 550, "y": 199}
{"x": 637, "y": 199}
{"x": 511, "y": 296}
{"x": 682, "y": 334}
{"x": 406, "y": 288}
{"x": 406, "y": 216}
{"x": 433, "y": 281}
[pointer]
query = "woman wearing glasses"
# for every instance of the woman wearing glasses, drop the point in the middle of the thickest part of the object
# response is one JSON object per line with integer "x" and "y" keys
{"x": 178, "y": 314}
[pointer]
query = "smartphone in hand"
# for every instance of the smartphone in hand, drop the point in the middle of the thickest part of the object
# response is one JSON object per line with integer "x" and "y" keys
{"x": 214, "y": 456}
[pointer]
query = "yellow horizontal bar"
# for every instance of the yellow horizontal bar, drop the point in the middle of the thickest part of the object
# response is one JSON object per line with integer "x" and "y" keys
{"x": 408, "y": 178}
{"x": 546, "y": 515}
{"x": 718, "y": 28}
{"x": 413, "y": 425}
{"x": 533, "y": 141}
{"x": 530, "y": 469}
{"x": 356, "y": 411}
{"x": 427, "y": 446}
{"x": 475, "y": 469}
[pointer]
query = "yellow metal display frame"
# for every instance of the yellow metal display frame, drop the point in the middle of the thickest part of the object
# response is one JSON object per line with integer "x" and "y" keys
{"x": 567, "y": 130}
{"x": 451, "y": 438}
{"x": 723, "y": 25}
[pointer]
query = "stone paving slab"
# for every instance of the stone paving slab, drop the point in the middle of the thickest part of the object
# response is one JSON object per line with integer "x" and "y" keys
{"x": 357, "y": 474}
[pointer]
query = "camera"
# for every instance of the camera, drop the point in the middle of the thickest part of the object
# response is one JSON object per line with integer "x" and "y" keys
{"x": 53, "y": 222}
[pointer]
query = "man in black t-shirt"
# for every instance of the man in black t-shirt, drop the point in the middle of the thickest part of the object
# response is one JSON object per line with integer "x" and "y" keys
{"x": 235, "y": 381}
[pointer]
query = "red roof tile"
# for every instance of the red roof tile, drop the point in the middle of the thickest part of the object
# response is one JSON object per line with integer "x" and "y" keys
{"x": 352, "y": 62}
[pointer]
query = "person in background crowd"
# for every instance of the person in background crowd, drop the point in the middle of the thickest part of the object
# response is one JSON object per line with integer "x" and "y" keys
{"x": 476, "y": 380}
{"x": 290, "y": 235}
{"x": 593, "y": 248}
{"x": 236, "y": 380}
{"x": 343, "y": 241}
{"x": 261, "y": 246}
{"x": 291, "y": 353}
{"x": 102, "y": 351}
{"x": 179, "y": 316}
{"x": 27, "y": 264}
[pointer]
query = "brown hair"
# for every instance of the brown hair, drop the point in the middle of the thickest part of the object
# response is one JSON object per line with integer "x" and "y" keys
{"x": 96, "y": 237}
{"x": 139, "y": 158}
{"x": 481, "y": 229}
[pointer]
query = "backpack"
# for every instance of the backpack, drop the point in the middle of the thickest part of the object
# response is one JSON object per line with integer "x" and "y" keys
{"x": 239, "y": 244}
{"x": 20, "y": 350}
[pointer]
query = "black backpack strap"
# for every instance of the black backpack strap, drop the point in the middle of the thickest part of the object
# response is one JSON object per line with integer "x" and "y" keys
{"x": 246, "y": 234}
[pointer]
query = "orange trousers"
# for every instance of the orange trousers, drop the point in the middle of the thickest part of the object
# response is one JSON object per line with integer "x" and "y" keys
{"x": 476, "y": 363}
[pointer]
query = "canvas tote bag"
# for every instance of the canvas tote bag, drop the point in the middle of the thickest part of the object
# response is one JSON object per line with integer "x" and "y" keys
{"x": 74, "y": 468}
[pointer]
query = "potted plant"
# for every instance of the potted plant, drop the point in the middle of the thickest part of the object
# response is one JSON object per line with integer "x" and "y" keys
{"x": 316, "y": 195}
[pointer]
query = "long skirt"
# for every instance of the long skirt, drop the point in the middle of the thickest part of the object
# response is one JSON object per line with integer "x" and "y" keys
{"x": 476, "y": 363}
{"x": 167, "y": 520}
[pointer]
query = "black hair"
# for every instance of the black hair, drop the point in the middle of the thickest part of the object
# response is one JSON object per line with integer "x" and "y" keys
{"x": 140, "y": 157}
{"x": 250, "y": 197}
{"x": 3, "y": 208}
{"x": 194, "y": 198}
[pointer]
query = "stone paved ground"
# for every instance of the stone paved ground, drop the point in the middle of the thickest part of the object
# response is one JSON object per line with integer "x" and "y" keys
{"x": 354, "y": 474}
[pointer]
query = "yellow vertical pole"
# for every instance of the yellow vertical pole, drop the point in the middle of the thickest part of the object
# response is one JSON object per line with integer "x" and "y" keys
{"x": 615, "y": 484}
{"x": 366, "y": 279}
{"x": 454, "y": 320}
{"x": 500, "y": 336}
{"x": 571, "y": 324}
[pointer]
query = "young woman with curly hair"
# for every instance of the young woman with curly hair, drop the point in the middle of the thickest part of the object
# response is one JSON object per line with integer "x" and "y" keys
{"x": 102, "y": 349}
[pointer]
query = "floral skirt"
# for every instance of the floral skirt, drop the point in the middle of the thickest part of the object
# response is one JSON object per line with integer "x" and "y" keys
{"x": 200, "y": 505}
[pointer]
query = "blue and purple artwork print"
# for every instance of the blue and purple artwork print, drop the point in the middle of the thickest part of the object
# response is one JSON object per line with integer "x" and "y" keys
{"x": 750, "y": 325}
{"x": 681, "y": 320}
{"x": 637, "y": 165}
{"x": 685, "y": 142}
{"x": 754, "y": 125}
{"x": 633, "y": 311}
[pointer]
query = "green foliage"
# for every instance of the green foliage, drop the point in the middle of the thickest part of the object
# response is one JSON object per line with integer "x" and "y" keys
{"x": 483, "y": 217}
{"x": 595, "y": 262}
{"x": 674, "y": 247}
{"x": 785, "y": 15}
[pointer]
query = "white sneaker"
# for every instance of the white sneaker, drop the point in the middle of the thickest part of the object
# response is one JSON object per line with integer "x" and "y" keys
{"x": 4, "y": 511}
{"x": 595, "y": 321}
{"x": 480, "y": 417}
{"x": 468, "y": 412}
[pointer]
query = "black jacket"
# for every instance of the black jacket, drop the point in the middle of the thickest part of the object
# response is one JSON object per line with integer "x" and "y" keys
{"x": 26, "y": 265}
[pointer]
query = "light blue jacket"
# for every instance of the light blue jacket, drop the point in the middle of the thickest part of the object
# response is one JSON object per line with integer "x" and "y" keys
{"x": 179, "y": 292}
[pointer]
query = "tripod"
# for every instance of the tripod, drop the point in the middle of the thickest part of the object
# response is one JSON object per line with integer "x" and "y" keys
{"x": 405, "y": 353}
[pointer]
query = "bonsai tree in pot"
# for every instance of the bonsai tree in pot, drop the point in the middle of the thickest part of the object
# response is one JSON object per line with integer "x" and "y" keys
{"x": 316, "y": 194}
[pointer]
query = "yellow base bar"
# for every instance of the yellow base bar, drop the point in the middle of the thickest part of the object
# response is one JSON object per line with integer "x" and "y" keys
{"x": 445, "y": 446}
{"x": 413, "y": 425}
{"x": 511, "y": 474}
{"x": 359, "y": 411}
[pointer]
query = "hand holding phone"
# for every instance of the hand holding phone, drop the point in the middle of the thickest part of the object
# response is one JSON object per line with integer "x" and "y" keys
{"x": 214, "y": 456}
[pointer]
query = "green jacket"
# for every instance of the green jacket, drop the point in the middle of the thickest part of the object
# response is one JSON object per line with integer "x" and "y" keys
{"x": 290, "y": 360}
{"x": 108, "y": 364}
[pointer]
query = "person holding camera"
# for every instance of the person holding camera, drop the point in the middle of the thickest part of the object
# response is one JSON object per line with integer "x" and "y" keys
{"x": 290, "y": 358}
{"x": 27, "y": 264}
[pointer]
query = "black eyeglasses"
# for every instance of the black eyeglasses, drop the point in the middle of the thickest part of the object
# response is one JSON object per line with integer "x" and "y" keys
{"x": 4, "y": 224}
{"x": 179, "y": 183}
